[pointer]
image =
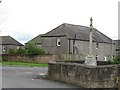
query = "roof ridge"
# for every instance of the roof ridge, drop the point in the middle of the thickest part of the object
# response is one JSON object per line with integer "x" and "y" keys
{"x": 75, "y": 25}
{"x": 6, "y": 36}
{"x": 117, "y": 40}
{"x": 16, "y": 40}
{"x": 55, "y": 28}
{"x": 70, "y": 29}
{"x": 34, "y": 38}
{"x": 10, "y": 38}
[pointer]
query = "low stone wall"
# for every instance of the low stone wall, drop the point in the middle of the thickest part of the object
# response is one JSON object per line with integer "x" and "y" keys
{"x": 103, "y": 76}
{"x": 82, "y": 62}
{"x": 69, "y": 57}
{"x": 30, "y": 58}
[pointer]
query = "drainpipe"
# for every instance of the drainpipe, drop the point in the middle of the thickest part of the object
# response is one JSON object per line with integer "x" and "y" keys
{"x": 6, "y": 51}
{"x": 69, "y": 46}
{"x": 74, "y": 44}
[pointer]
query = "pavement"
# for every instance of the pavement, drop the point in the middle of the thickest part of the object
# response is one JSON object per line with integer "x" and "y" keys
{"x": 29, "y": 77}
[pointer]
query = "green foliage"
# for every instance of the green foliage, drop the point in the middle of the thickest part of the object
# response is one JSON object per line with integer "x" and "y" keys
{"x": 32, "y": 49}
{"x": 11, "y": 51}
{"x": 24, "y": 64}
{"x": 114, "y": 60}
{"x": 39, "y": 51}
{"x": 4, "y": 59}
{"x": 20, "y": 51}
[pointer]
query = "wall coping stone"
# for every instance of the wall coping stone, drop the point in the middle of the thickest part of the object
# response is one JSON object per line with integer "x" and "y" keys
{"x": 83, "y": 65}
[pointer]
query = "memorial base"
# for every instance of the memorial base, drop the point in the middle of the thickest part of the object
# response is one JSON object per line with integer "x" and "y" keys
{"x": 90, "y": 60}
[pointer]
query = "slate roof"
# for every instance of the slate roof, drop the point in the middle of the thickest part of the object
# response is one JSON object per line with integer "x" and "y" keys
{"x": 37, "y": 39}
{"x": 82, "y": 33}
{"x": 8, "y": 40}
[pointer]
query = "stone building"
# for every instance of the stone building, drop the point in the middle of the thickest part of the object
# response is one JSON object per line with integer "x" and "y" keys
{"x": 117, "y": 45}
{"x": 74, "y": 39}
{"x": 37, "y": 41}
{"x": 7, "y": 42}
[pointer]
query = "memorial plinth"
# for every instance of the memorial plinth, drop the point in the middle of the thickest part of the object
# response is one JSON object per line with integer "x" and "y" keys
{"x": 90, "y": 60}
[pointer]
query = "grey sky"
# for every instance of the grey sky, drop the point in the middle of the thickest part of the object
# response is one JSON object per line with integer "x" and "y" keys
{"x": 25, "y": 19}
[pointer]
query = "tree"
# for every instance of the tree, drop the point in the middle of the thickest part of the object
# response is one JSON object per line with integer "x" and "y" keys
{"x": 32, "y": 49}
{"x": 20, "y": 51}
{"x": 11, "y": 51}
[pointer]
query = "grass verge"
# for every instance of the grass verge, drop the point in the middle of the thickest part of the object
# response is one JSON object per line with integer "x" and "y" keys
{"x": 24, "y": 64}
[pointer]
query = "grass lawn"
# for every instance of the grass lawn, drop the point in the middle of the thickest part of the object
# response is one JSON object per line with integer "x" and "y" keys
{"x": 24, "y": 64}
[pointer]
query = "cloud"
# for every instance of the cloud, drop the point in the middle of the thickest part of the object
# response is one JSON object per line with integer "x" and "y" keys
{"x": 19, "y": 36}
{"x": 23, "y": 36}
{"x": 25, "y": 19}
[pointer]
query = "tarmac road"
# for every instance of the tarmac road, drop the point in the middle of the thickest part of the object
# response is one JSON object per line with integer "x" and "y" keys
{"x": 28, "y": 77}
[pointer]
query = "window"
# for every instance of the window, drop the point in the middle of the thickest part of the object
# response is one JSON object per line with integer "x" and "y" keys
{"x": 58, "y": 41}
{"x": 3, "y": 48}
{"x": 18, "y": 47}
{"x": 97, "y": 45}
{"x": 38, "y": 45}
{"x": 96, "y": 57}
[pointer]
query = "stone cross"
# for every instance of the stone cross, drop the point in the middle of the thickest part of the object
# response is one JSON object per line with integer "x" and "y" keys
{"x": 90, "y": 60}
{"x": 90, "y": 38}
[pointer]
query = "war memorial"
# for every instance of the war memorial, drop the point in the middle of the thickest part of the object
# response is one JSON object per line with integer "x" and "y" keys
{"x": 88, "y": 73}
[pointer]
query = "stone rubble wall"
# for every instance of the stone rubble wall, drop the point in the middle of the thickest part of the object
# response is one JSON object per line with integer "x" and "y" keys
{"x": 102, "y": 76}
{"x": 30, "y": 58}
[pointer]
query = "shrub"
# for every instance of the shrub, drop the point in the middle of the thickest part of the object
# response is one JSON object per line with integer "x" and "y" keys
{"x": 33, "y": 49}
{"x": 30, "y": 49}
{"x": 114, "y": 60}
{"x": 11, "y": 51}
{"x": 41, "y": 51}
{"x": 20, "y": 51}
{"x": 4, "y": 59}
